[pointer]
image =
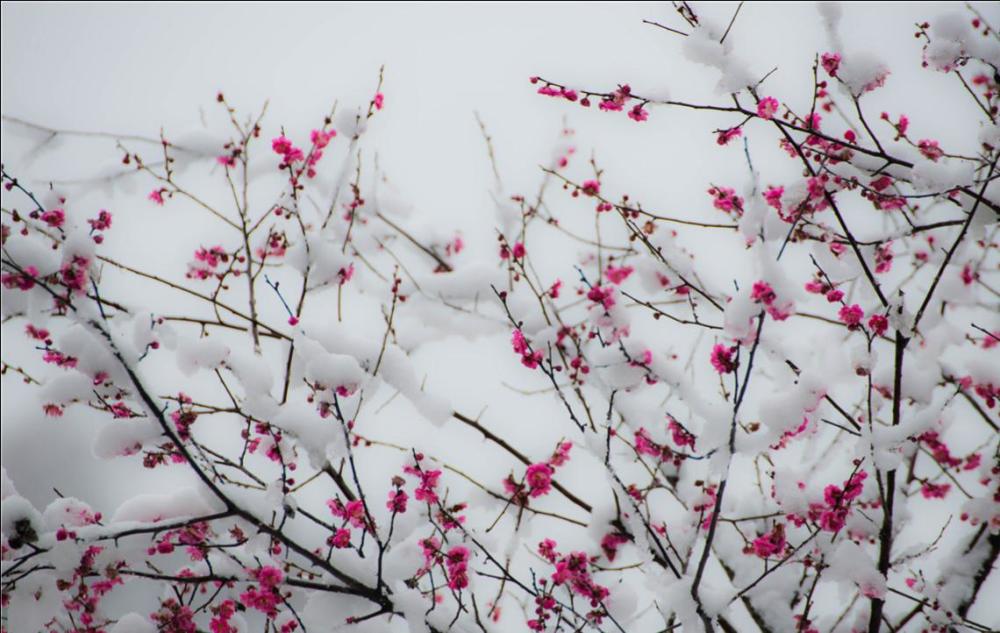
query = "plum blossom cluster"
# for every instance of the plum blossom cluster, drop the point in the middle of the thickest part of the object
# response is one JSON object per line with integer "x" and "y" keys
{"x": 537, "y": 480}
{"x": 572, "y": 571}
{"x": 831, "y": 515}
{"x": 616, "y": 101}
{"x": 207, "y": 263}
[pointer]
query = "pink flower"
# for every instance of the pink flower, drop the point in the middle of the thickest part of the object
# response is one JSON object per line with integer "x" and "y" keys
{"x": 878, "y": 324}
{"x": 619, "y": 274}
{"x": 341, "y": 539}
{"x": 888, "y": 203}
{"x": 561, "y": 455}
{"x": 321, "y": 139}
{"x": 726, "y": 200}
{"x": 610, "y": 543}
{"x": 830, "y": 63}
{"x": 102, "y": 222}
{"x": 518, "y": 250}
{"x": 281, "y": 145}
{"x": 851, "y": 316}
{"x": 428, "y": 482}
{"x": 553, "y": 291}
{"x": 644, "y": 445}
{"x": 816, "y": 188}
{"x": 591, "y": 187}
{"x": 156, "y": 195}
{"x": 883, "y": 257}
{"x": 52, "y": 410}
{"x": 539, "y": 479}
{"x": 270, "y": 576}
{"x": 39, "y": 334}
{"x": 833, "y": 520}
{"x": 120, "y": 410}
{"x": 638, "y": 114}
{"x": 22, "y": 281}
{"x": 771, "y": 544}
{"x": 724, "y": 136}
{"x": 397, "y": 501}
{"x": 773, "y": 197}
{"x": 290, "y": 154}
{"x": 59, "y": 359}
{"x": 616, "y": 101}
{"x": 903, "y": 125}
{"x": 520, "y": 345}
{"x": 815, "y": 287}
{"x": 604, "y": 295}
{"x": 968, "y": 275}
{"x": 457, "y": 564}
{"x": 762, "y": 292}
{"x": 610, "y": 105}
{"x": 855, "y": 486}
{"x": 878, "y": 81}
{"x": 353, "y": 512}
{"x": 934, "y": 491}
{"x": 681, "y": 436}
{"x": 379, "y": 100}
{"x": 722, "y": 358}
{"x": 267, "y": 596}
{"x": 54, "y": 218}
{"x": 73, "y": 274}
{"x": 345, "y": 274}
{"x": 930, "y": 149}
{"x": 881, "y": 183}
{"x": 455, "y": 246}
{"x": 767, "y": 108}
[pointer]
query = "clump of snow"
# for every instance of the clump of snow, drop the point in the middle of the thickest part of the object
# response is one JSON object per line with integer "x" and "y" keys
{"x": 67, "y": 511}
{"x": 252, "y": 370}
{"x": 326, "y": 611}
{"x": 941, "y": 176}
{"x": 37, "y": 598}
{"x": 702, "y": 47}
{"x": 412, "y": 604}
{"x": 335, "y": 370}
{"x": 152, "y": 508}
{"x": 66, "y": 388}
{"x": 199, "y": 353}
{"x": 19, "y": 518}
{"x": 124, "y": 437}
{"x": 133, "y": 623}
{"x": 851, "y": 563}
{"x": 318, "y": 437}
{"x": 465, "y": 283}
{"x": 952, "y": 39}
{"x": 862, "y": 72}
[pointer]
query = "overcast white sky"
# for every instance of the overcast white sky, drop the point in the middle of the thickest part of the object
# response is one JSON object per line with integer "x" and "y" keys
{"x": 133, "y": 68}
